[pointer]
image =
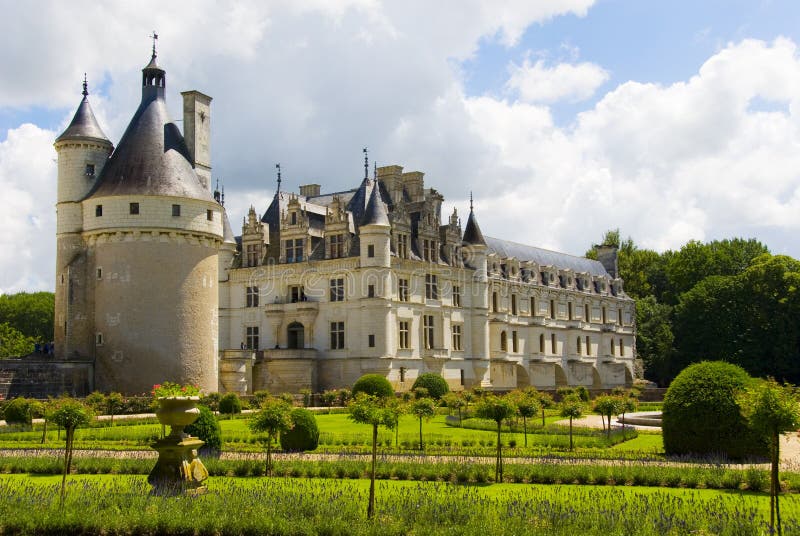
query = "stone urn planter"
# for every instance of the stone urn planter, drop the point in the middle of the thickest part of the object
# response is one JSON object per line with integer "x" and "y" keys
{"x": 178, "y": 469}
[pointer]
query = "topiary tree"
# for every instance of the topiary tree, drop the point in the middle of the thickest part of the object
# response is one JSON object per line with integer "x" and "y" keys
{"x": 304, "y": 434}
{"x": 436, "y": 385}
{"x": 211, "y": 401}
{"x": 329, "y": 398}
{"x": 571, "y": 408}
{"x": 230, "y": 404}
{"x": 97, "y": 401}
{"x": 456, "y": 402}
{"x": 206, "y": 428}
{"x": 702, "y": 415}
{"x": 527, "y": 406}
{"x": 423, "y": 408}
{"x": 306, "y": 394}
{"x": 272, "y": 419}
{"x": 373, "y": 385}
{"x": 498, "y": 410}
{"x": 607, "y": 406}
{"x": 18, "y": 411}
{"x": 69, "y": 414}
{"x": 114, "y": 403}
{"x": 545, "y": 402}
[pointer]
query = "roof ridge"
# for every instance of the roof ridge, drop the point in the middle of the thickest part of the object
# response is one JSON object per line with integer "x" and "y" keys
{"x": 542, "y": 249}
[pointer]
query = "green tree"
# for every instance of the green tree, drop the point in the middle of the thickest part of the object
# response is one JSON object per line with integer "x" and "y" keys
{"x": 69, "y": 414}
{"x": 114, "y": 404}
{"x": 423, "y": 408}
{"x": 607, "y": 406}
{"x": 571, "y": 408}
{"x": 272, "y": 419}
{"x": 654, "y": 338}
{"x": 630, "y": 403}
{"x": 14, "y": 343}
{"x": 436, "y": 385}
{"x": 304, "y": 434}
{"x": 206, "y": 428}
{"x": 527, "y": 405}
{"x": 497, "y": 409}
{"x": 369, "y": 409}
{"x": 329, "y": 398}
{"x": 455, "y": 401}
{"x": 545, "y": 402}
{"x": 29, "y": 313}
{"x": 373, "y": 385}
{"x": 772, "y": 409}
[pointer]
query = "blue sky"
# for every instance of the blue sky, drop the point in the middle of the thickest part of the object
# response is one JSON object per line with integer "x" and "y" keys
{"x": 672, "y": 121}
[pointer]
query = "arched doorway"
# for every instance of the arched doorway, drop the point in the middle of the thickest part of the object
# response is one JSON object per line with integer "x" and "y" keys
{"x": 295, "y": 335}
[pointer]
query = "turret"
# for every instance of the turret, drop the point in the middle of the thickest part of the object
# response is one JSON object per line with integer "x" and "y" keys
{"x": 374, "y": 233}
{"x": 474, "y": 249}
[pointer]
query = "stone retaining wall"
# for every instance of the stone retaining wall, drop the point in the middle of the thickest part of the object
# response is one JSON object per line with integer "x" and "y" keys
{"x": 42, "y": 378}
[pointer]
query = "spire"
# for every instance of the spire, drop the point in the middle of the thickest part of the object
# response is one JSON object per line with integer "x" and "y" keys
{"x": 472, "y": 234}
{"x": 84, "y": 124}
{"x": 278, "y": 167}
{"x": 154, "y": 78}
{"x": 375, "y": 213}
{"x": 154, "y": 37}
{"x": 366, "y": 164}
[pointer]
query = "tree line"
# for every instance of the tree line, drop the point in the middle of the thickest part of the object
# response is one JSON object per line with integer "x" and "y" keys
{"x": 26, "y": 318}
{"x": 727, "y": 300}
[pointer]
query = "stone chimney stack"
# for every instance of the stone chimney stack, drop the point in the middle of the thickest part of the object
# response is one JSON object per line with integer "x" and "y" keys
{"x": 197, "y": 133}
{"x": 607, "y": 255}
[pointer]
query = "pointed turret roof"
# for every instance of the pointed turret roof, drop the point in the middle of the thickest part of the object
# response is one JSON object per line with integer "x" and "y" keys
{"x": 84, "y": 126}
{"x": 375, "y": 213}
{"x": 152, "y": 157}
{"x": 472, "y": 233}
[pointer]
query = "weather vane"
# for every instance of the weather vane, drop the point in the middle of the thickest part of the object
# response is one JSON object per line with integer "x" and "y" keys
{"x": 85, "y": 86}
{"x": 470, "y": 200}
{"x": 278, "y": 167}
{"x": 154, "y": 37}
{"x": 366, "y": 163}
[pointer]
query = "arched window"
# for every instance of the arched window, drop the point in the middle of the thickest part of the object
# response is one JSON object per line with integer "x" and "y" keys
{"x": 613, "y": 348}
{"x": 541, "y": 343}
{"x": 494, "y": 302}
{"x": 553, "y": 343}
{"x": 503, "y": 341}
{"x": 621, "y": 348}
{"x": 295, "y": 335}
{"x": 586, "y": 316}
{"x": 578, "y": 345}
{"x": 588, "y": 346}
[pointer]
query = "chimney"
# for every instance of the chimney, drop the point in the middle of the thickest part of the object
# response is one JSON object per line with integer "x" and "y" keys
{"x": 309, "y": 190}
{"x": 197, "y": 133}
{"x": 607, "y": 255}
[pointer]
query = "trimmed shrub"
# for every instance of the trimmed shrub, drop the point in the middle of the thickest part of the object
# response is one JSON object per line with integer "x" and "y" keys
{"x": 206, "y": 428}
{"x": 211, "y": 401}
{"x": 374, "y": 385}
{"x": 230, "y": 404}
{"x": 305, "y": 433}
{"x": 436, "y": 385}
{"x": 701, "y": 413}
{"x": 18, "y": 411}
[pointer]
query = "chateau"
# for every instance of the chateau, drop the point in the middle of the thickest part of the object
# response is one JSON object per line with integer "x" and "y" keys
{"x": 320, "y": 288}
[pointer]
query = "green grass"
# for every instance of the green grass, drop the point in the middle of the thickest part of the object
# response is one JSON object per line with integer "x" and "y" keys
{"x": 122, "y": 505}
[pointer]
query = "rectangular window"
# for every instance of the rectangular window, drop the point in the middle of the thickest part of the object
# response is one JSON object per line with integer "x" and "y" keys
{"x": 588, "y": 346}
{"x": 402, "y": 290}
{"x": 619, "y": 317}
{"x": 402, "y": 245}
{"x": 253, "y": 254}
{"x": 370, "y": 251}
{"x": 541, "y": 344}
{"x": 586, "y": 316}
{"x": 553, "y": 343}
{"x": 297, "y": 293}
{"x": 461, "y": 376}
{"x": 552, "y": 309}
{"x": 98, "y": 339}
{"x": 251, "y": 296}
{"x": 337, "y": 289}
{"x": 294, "y": 218}
{"x": 605, "y": 320}
{"x": 210, "y": 215}
{"x": 294, "y": 250}
{"x": 456, "y": 337}
{"x": 533, "y": 306}
{"x": 613, "y": 348}
{"x": 371, "y": 341}
{"x": 431, "y": 287}
{"x": 427, "y": 331}
{"x": 337, "y": 335}
{"x": 621, "y": 348}
{"x": 513, "y": 304}
{"x": 579, "y": 345}
{"x": 569, "y": 310}
{"x": 404, "y": 335}
{"x": 514, "y": 342}
{"x": 429, "y": 250}
{"x": 370, "y": 291}
{"x": 98, "y": 210}
{"x": 99, "y": 273}
{"x": 336, "y": 246}
{"x": 251, "y": 338}
{"x": 89, "y": 170}
{"x": 456, "y": 296}
{"x": 134, "y": 208}
{"x": 176, "y": 210}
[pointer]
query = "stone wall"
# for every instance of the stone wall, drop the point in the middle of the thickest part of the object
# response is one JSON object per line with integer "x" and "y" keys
{"x": 43, "y": 378}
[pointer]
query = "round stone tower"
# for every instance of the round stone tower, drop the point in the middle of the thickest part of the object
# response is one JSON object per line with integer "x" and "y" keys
{"x": 82, "y": 150}
{"x": 153, "y": 232}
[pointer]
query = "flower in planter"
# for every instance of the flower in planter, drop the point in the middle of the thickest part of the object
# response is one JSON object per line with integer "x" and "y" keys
{"x": 170, "y": 389}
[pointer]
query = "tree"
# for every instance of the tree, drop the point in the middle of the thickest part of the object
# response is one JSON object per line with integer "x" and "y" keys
{"x": 607, "y": 406}
{"x": 14, "y": 343}
{"x": 230, "y": 404}
{"x": 329, "y": 398}
{"x": 423, "y": 408}
{"x": 772, "y": 409}
{"x": 206, "y": 428}
{"x": 456, "y": 402}
{"x": 630, "y": 403}
{"x": 654, "y": 338}
{"x": 373, "y": 385}
{"x": 304, "y": 434}
{"x": 272, "y": 419}
{"x": 496, "y": 409}
{"x": 545, "y": 402}
{"x": 69, "y": 414}
{"x": 436, "y": 385}
{"x": 369, "y": 409}
{"x": 31, "y": 314}
{"x": 114, "y": 403}
{"x": 571, "y": 408}
{"x": 527, "y": 406}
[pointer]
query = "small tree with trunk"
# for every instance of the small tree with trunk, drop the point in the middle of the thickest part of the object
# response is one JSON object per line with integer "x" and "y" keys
{"x": 607, "y": 406}
{"x": 527, "y": 407}
{"x": 571, "y": 408}
{"x": 497, "y": 409}
{"x": 69, "y": 414}
{"x": 114, "y": 403}
{"x": 375, "y": 411}
{"x": 329, "y": 398}
{"x": 272, "y": 419}
{"x": 423, "y": 408}
{"x": 772, "y": 409}
{"x": 456, "y": 402}
{"x": 629, "y": 404}
{"x": 545, "y": 402}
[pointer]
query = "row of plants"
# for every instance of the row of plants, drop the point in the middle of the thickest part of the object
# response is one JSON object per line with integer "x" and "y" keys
{"x": 304, "y": 507}
{"x": 655, "y": 475}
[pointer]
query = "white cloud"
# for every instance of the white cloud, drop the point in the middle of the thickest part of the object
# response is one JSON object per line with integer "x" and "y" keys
{"x": 539, "y": 83}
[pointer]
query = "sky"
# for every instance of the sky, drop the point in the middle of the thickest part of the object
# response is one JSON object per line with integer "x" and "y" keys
{"x": 672, "y": 121}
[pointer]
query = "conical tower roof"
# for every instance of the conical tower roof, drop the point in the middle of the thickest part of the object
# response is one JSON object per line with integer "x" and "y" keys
{"x": 472, "y": 233}
{"x": 84, "y": 125}
{"x": 152, "y": 157}
{"x": 375, "y": 213}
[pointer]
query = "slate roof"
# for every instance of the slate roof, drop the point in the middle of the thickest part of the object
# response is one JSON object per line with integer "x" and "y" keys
{"x": 472, "y": 233}
{"x": 544, "y": 257}
{"x": 375, "y": 213}
{"x": 227, "y": 230}
{"x": 84, "y": 125}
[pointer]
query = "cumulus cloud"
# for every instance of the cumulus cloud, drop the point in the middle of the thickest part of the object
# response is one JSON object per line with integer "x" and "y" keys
{"x": 539, "y": 83}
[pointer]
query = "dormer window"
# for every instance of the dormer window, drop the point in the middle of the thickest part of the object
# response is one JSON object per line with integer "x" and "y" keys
{"x": 89, "y": 170}
{"x": 293, "y": 218}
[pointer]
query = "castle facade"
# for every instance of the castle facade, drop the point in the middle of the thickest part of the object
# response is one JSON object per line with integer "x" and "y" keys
{"x": 319, "y": 288}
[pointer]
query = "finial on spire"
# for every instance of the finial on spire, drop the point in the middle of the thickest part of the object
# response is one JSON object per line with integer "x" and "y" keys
{"x": 85, "y": 86}
{"x": 223, "y": 195}
{"x": 470, "y": 201}
{"x": 375, "y": 171}
{"x": 366, "y": 164}
{"x": 154, "y": 37}
{"x": 278, "y": 167}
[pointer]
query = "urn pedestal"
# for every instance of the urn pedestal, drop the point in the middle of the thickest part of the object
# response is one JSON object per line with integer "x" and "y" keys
{"x": 178, "y": 469}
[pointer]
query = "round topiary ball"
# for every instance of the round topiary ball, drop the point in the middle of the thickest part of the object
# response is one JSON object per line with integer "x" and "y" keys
{"x": 304, "y": 435}
{"x": 436, "y": 385}
{"x": 206, "y": 428}
{"x": 701, "y": 413}
{"x": 230, "y": 404}
{"x": 373, "y": 384}
{"x": 18, "y": 411}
